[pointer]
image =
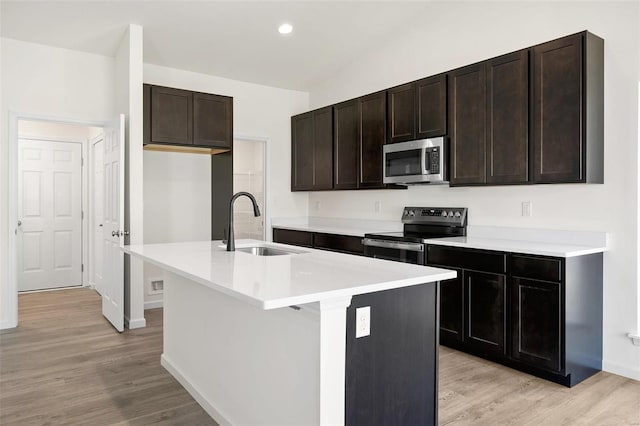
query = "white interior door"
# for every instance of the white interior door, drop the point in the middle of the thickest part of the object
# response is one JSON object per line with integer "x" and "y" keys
{"x": 113, "y": 209}
{"x": 49, "y": 214}
{"x": 97, "y": 211}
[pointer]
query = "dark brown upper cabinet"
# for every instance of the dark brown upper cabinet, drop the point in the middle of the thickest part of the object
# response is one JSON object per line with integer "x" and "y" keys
{"x": 401, "y": 107}
{"x": 346, "y": 138}
{"x": 171, "y": 116}
{"x": 175, "y": 118}
{"x": 373, "y": 132}
{"x": 431, "y": 107}
{"x": 467, "y": 112}
{"x": 312, "y": 150}
{"x": 212, "y": 120}
{"x": 568, "y": 99}
{"x": 490, "y": 120}
{"x": 508, "y": 118}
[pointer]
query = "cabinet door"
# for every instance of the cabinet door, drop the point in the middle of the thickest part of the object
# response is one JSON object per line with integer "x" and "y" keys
{"x": 323, "y": 148}
{"x": 486, "y": 312}
{"x": 452, "y": 309}
{"x": 508, "y": 118}
{"x": 212, "y": 120}
{"x": 467, "y": 116}
{"x": 401, "y": 103}
{"x": 536, "y": 331}
{"x": 171, "y": 116}
{"x": 340, "y": 243}
{"x": 373, "y": 132}
{"x": 557, "y": 102}
{"x": 346, "y": 137}
{"x": 431, "y": 107}
{"x": 302, "y": 152}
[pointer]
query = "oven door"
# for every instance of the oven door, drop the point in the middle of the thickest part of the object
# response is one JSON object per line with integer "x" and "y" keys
{"x": 394, "y": 250}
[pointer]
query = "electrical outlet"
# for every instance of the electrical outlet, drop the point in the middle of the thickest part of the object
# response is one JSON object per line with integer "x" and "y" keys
{"x": 527, "y": 209}
{"x": 377, "y": 206}
{"x": 156, "y": 286}
{"x": 363, "y": 321}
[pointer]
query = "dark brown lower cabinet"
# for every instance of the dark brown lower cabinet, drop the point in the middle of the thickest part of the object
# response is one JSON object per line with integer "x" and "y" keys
{"x": 486, "y": 312}
{"x": 293, "y": 237}
{"x": 332, "y": 242}
{"x": 538, "y": 314}
{"x": 452, "y": 309}
{"x": 536, "y": 332}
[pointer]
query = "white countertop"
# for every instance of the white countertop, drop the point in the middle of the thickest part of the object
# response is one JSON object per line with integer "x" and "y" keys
{"x": 272, "y": 282}
{"x": 338, "y": 226}
{"x": 515, "y": 246}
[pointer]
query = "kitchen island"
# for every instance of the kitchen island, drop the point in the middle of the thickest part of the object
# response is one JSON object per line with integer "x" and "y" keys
{"x": 271, "y": 340}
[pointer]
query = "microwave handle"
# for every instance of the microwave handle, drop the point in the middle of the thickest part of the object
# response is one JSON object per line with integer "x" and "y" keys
{"x": 423, "y": 161}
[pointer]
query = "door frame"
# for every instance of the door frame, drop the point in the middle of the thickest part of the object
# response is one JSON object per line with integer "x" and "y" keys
{"x": 90, "y": 200}
{"x": 12, "y": 240}
{"x": 266, "y": 228}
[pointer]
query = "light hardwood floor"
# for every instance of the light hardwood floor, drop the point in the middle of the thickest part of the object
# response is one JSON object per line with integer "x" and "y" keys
{"x": 66, "y": 365}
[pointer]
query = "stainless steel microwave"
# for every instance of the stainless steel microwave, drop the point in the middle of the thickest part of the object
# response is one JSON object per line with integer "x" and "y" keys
{"x": 421, "y": 161}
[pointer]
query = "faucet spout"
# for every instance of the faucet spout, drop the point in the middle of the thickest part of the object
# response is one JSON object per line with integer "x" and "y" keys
{"x": 231, "y": 243}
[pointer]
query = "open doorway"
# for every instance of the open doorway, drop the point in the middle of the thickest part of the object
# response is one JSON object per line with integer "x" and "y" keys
{"x": 56, "y": 205}
{"x": 249, "y": 174}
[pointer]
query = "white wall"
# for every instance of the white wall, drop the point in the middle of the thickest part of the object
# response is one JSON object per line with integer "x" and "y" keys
{"x": 258, "y": 111}
{"x": 456, "y": 34}
{"x": 53, "y": 82}
{"x": 177, "y": 205}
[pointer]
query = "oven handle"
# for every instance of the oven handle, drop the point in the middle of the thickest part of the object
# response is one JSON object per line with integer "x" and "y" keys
{"x": 393, "y": 245}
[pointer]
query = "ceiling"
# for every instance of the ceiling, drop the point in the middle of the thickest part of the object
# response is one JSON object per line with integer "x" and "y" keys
{"x": 233, "y": 39}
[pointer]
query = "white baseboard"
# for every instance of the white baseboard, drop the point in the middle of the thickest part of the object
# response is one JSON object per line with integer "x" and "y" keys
{"x": 621, "y": 370}
{"x": 153, "y": 304}
{"x": 4, "y": 325}
{"x": 134, "y": 323}
{"x": 194, "y": 392}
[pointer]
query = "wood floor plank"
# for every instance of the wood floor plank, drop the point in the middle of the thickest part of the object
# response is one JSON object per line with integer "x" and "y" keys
{"x": 66, "y": 365}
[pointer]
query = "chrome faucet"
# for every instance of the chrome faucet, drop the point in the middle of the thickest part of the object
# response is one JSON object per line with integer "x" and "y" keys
{"x": 231, "y": 243}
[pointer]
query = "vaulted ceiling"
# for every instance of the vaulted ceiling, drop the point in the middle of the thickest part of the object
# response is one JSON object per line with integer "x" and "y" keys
{"x": 233, "y": 39}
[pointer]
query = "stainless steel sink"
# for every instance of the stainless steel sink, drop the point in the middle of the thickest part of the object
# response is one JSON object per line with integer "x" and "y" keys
{"x": 266, "y": 251}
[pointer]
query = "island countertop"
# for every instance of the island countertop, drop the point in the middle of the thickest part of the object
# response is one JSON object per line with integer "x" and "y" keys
{"x": 272, "y": 282}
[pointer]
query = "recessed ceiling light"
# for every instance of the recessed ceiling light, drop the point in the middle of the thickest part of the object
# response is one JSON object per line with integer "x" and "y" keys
{"x": 285, "y": 29}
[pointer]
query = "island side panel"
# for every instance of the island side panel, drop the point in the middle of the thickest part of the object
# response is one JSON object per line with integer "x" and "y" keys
{"x": 392, "y": 374}
{"x": 244, "y": 365}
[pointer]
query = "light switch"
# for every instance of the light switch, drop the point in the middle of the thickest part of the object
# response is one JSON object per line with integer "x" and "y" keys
{"x": 363, "y": 321}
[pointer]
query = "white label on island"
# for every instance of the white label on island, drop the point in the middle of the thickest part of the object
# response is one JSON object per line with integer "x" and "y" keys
{"x": 363, "y": 321}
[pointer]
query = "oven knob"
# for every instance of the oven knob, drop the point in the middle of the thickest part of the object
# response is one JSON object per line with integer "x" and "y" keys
{"x": 406, "y": 212}
{"x": 412, "y": 213}
{"x": 450, "y": 214}
{"x": 457, "y": 214}
{"x": 444, "y": 214}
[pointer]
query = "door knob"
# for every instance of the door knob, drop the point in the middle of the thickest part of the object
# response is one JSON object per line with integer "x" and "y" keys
{"x": 100, "y": 225}
{"x": 123, "y": 233}
{"x": 115, "y": 233}
{"x": 19, "y": 223}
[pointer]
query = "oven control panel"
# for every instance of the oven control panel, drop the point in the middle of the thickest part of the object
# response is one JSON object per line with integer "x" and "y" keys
{"x": 455, "y": 216}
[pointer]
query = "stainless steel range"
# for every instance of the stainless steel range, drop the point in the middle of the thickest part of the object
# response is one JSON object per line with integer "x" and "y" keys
{"x": 420, "y": 224}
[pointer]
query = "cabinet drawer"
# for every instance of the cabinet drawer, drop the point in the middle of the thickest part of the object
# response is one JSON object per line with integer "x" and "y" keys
{"x": 342, "y": 243}
{"x": 537, "y": 268}
{"x": 296, "y": 238}
{"x": 477, "y": 260}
